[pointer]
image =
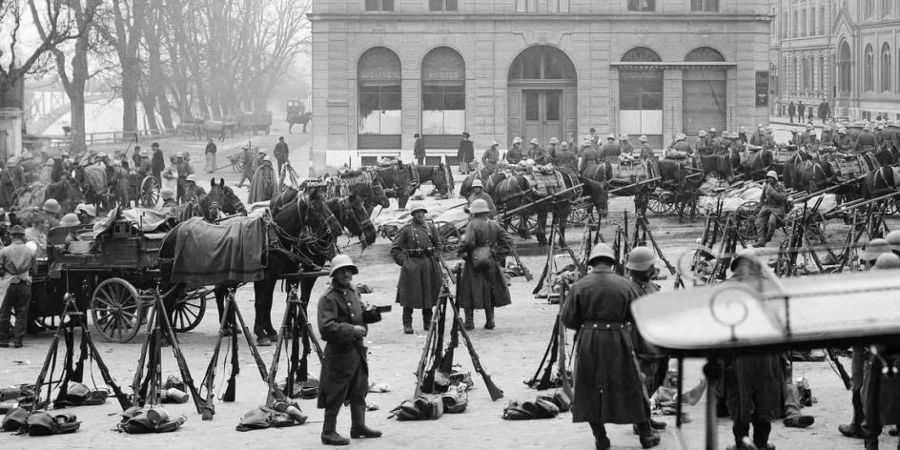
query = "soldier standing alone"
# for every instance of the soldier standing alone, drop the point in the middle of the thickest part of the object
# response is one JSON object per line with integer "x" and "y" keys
{"x": 483, "y": 285}
{"x": 345, "y": 371}
{"x": 420, "y": 275}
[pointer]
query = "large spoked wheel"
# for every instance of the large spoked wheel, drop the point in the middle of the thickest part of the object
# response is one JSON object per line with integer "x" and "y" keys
{"x": 657, "y": 204}
{"x": 189, "y": 310}
{"x": 116, "y": 310}
{"x": 530, "y": 223}
{"x": 745, "y": 217}
{"x": 149, "y": 191}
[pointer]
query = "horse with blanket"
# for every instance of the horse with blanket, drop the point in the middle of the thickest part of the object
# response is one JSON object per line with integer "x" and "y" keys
{"x": 440, "y": 176}
{"x": 535, "y": 187}
{"x": 399, "y": 180}
{"x": 360, "y": 184}
{"x": 836, "y": 168}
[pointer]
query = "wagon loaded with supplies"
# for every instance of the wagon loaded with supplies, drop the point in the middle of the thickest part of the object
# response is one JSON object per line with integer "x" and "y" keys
{"x": 111, "y": 269}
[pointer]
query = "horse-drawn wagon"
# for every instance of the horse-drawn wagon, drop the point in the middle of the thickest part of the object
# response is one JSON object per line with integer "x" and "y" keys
{"x": 253, "y": 121}
{"x": 112, "y": 271}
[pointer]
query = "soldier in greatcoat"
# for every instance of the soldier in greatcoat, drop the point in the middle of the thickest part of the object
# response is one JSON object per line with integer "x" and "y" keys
{"x": 564, "y": 157}
{"x": 515, "y": 153}
{"x": 477, "y": 192}
{"x": 343, "y": 324}
{"x": 610, "y": 150}
{"x": 491, "y": 156}
{"x": 420, "y": 282}
{"x": 608, "y": 386}
{"x": 483, "y": 288}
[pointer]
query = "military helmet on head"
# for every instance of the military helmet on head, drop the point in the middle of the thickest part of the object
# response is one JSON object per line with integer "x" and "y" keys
{"x": 640, "y": 259}
{"x": 602, "y": 250}
{"x": 875, "y": 248}
{"x": 772, "y": 174}
{"x": 52, "y": 206}
{"x": 341, "y": 261}
{"x": 69, "y": 220}
{"x": 418, "y": 207}
{"x": 893, "y": 239}
{"x": 887, "y": 261}
{"x": 477, "y": 183}
{"x": 479, "y": 206}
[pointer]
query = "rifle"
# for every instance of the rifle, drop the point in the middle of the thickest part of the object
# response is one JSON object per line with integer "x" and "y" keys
{"x": 230, "y": 388}
{"x": 840, "y": 368}
{"x": 202, "y": 407}
{"x": 525, "y": 271}
{"x": 495, "y": 392}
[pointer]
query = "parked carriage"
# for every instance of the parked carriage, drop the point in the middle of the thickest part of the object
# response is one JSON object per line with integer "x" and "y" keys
{"x": 252, "y": 121}
{"x": 112, "y": 272}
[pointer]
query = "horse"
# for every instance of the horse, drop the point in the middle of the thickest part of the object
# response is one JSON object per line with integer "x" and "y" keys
{"x": 220, "y": 198}
{"x": 682, "y": 178}
{"x": 791, "y": 170}
{"x": 881, "y": 181}
{"x": 757, "y": 164}
{"x": 489, "y": 179}
{"x": 66, "y": 192}
{"x": 440, "y": 176}
{"x": 516, "y": 190}
{"x": 398, "y": 180}
{"x": 886, "y": 155}
{"x": 94, "y": 185}
{"x": 302, "y": 119}
{"x": 370, "y": 194}
{"x": 719, "y": 165}
{"x": 351, "y": 212}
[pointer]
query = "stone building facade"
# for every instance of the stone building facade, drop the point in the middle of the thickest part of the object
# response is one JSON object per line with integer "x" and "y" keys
{"x": 386, "y": 69}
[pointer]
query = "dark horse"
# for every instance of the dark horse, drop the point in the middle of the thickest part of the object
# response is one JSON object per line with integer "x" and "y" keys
{"x": 440, "y": 176}
{"x": 758, "y": 163}
{"x": 370, "y": 194}
{"x": 516, "y": 191}
{"x": 398, "y": 180}
{"x": 352, "y": 214}
{"x": 65, "y": 191}
{"x": 681, "y": 179}
{"x": 220, "y": 198}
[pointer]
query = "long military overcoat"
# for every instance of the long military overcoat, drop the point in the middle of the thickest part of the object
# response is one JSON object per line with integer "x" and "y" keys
{"x": 345, "y": 372}
{"x": 478, "y": 289}
{"x": 420, "y": 275}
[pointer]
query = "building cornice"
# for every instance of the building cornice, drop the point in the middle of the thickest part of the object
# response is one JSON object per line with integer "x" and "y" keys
{"x": 677, "y": 65}
{"x": 536, "y": 17}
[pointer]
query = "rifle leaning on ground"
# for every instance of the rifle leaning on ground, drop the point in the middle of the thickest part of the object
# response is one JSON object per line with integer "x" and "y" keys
{"x": 525, "y": 271}
{"x": 845, "y": 377}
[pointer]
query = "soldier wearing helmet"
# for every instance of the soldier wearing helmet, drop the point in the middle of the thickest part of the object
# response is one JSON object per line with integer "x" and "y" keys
{"x": 477, "y": 192}
{"x": 86, "y": 213}
{"x": 184, "y": 169}
{"x": 775, "y": 205}
{"x": 611, "y": 150}
{"x": 491, "y": 156}
{"x": 609, "y": 387}
{"x": 18, "y": 264}
{"x": 537, "y": 153}
{"x": 865, "y": 140}
{"x": 420, "y": 275}
{"x": 343, "y": 324}
{"x": 565, "y": 157}
{"x": 645, "y": 149}
{"x": 52, "y": 211}
{"x": 554, "y": 146}
{"x": 641, "y": 265}
{"x": 515, "y": 154}
{"x": 484, "y": 248}
{"x": 192, "y": 190}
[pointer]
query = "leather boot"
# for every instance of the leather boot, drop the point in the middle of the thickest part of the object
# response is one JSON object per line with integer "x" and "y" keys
{"x": 333, "y": 438}
{"x": 358, "y": 429}
{"x": 329, "y": 435}
{"x": 470, "y": 319}
{"x": 489, "y": 318}
{"x": 872, "y": 443}
{"x": 601, "y": 441}
{"x": 649, "y": 437}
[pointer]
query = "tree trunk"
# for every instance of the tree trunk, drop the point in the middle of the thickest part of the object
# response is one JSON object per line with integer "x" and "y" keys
{"x": 130, "y": 77}
{"x": 76, "y": 98}
{"x": 148, "y": 101}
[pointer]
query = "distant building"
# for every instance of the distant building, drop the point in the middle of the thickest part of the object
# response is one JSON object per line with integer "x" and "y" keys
{"x": 12, "y": 119}
{"x": 384, "y": 70}
{"x": 846, "y": 52}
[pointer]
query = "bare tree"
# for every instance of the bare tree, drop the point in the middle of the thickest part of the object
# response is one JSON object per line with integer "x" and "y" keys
{"x": 124, "y": 36}
{"x": 83, "y": 13}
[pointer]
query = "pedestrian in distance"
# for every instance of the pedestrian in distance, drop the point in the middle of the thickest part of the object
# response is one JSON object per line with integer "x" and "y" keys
{"x": 608, "y": 386}
{"x": 792, "y": 109}
{"x": 343, "y": 325}
{"x": 415, "y": 251}
{"x": 419, "y": 149}
{"x": 281, "y": 153}
{"x": 17, "y": 264}
{"x": 465, "y": 153}
{"x": 483, "y": 248}
{"x": 157, "y": 162}
{"x": 210, "y": 154}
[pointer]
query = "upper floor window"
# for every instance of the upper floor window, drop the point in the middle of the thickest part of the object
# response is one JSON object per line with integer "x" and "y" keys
{"x": 868, "y": 9}
{"x": 442, "y": 5}
{"x": 886, "y": 7}
{"x": 642, "y": 5}
{"x": 379, "y": 5}
{"x": 705, "y": 5}
{"x": 553, "y": 6}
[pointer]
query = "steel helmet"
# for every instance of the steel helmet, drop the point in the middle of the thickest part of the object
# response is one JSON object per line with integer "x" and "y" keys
{"x": 875, "y": 248}
{"x": 712, "y": 130}
{"x": 611, "y": 137}
{"x": 643, "y": 138}
{"x": 517, "y": 140}
{"x": 554, "y": 140}
{"x": 52, "y": 206}
{"x": 772, "y": 174}
{"x": 564, "y": 146}
{"x": 68, "y": 220}
{"x": 494, "y": 143}
{"x": 535, "y": 141}
{"x": 893, "y": 239}
{"x": 640, "y": 259}
{"x": 341, "y": 261}
{"x": 477, "y": 183}
{"x": 87, "y": 209}
{"x": 702, "y": 133}
{"x": 479, "y": 206}
{"x": 417, "y": 207}
{"x": 167, "y": 194}
{"x": 529, "y": 162}
{"x": 887, "y": 261}
{"x": 602, "y": 250}
{"x": 191, "y": 177}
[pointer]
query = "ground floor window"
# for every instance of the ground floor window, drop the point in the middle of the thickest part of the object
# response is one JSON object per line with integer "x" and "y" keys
{"x": 379, "y": 124}
{"x": 705, "y": 101}
{"x": 640, "y": 105}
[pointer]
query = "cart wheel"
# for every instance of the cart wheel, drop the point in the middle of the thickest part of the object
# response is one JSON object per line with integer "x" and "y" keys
{"x": 450, "y": 236}
{"x": 530, "y": 223}
{"x": 189, "y": 310}
{"x": 116, "y": 310}
{"x": 657, "y": 206}
{"x": 149, "y": 192}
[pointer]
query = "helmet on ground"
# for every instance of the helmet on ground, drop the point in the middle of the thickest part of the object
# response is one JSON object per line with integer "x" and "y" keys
{"x": 479, "y": 206}
{"x": 887, "y": 261}
{"x": 875, "y": 248}
{"x": 68, "y": 220}
{"x": 418, "y": 207}
{"x": 602, "y": 250}
{"x": 341, "y": 261}
{"x": 640, "y": 259}
{"x": 554, "y": 140}
{"x": 893, "y": 239}
{"x": 52, "y": 206}
{"x": 772, "y": 174}
{"x": 746, "y": 254}
{"x": 477, "y": 183}
{"x": 167, "y": 194}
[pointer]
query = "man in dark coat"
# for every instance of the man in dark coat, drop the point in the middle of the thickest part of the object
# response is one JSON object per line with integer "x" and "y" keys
{"x": 136, "y": 156}
{"x": 610, "y": 150}
{"x": 210, "y": 154}
{"x": 773, "y": 211}
{"x": 754, "y": 396}
{"x": 419, "y": 149}
{"x": 345, "y": 372}
{"x": 465, "y": 153}
{"x": 565, "y": 157}
{"x": 608, "y": 386}
{"x": 824, "y": 111}
{"x": 537, "y": 153}
{"x": 801, "y": 110}
{"x": 157, "y": 162}
{"x": 477, "y": 192}
{"x": 420, "y": 274}
{"x": 646, "y": 150}
{"x": 484, "y": 288}
{"x": 791, "y": 111}
{"x": 263, "y": 185}
{"x": 281, "y": 153}
{"x": 184, "y": 169}
{"x": 866, "y": 140}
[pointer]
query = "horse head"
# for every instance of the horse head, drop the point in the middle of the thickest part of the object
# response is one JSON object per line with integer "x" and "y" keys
{"x": 352, "y": 214}
{"x": 221, "y": 198}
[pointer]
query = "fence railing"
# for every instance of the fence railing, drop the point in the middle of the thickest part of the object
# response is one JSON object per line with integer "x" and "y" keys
{"x": 64, "y": 142}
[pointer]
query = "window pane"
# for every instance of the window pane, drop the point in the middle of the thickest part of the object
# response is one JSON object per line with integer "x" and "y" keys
{"x": 532, "y": 105}
{"x": 435, "y": 5}
{"x": 450, "y": 6}
{"x": 390, "y": 97}
{"x": 712, "y": 5}
{"x": 454, "y": 122}
{"x": 455, "y": 98}
{"x": 390, "y": 122}
{"x": 552, "y": 99}
{"x": 696, "y": 5}
{"x": 387, "y": 5}
{"x": 372, "y": 5}
{"x": 531, "y": 66}
{"x": 433, "y": 122}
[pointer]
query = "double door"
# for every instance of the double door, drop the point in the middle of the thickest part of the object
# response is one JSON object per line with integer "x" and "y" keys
{"x": 541, "y": 114}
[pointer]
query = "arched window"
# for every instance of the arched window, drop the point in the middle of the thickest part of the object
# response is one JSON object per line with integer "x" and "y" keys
{"x": 641, "y": 96}
{"x": 542, "y": 88}
{"x": 845, "y": 61}
{"x": 705, "y": 92}
{"x": 869, "y": 69}
{"x": 443, "y": 98}
{"x": 378, "y": 76}
{"x": 886, "y": 67}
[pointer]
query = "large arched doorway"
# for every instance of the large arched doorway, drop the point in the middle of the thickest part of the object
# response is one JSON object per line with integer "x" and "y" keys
{"x": 378, "y": 75}
{"x": 845, "y": 77}
{"x": 542, "y": 86}
{"x": 705, "y": 92}
{"x": 443, "y": 98}
{"x": 641, "y": 95}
